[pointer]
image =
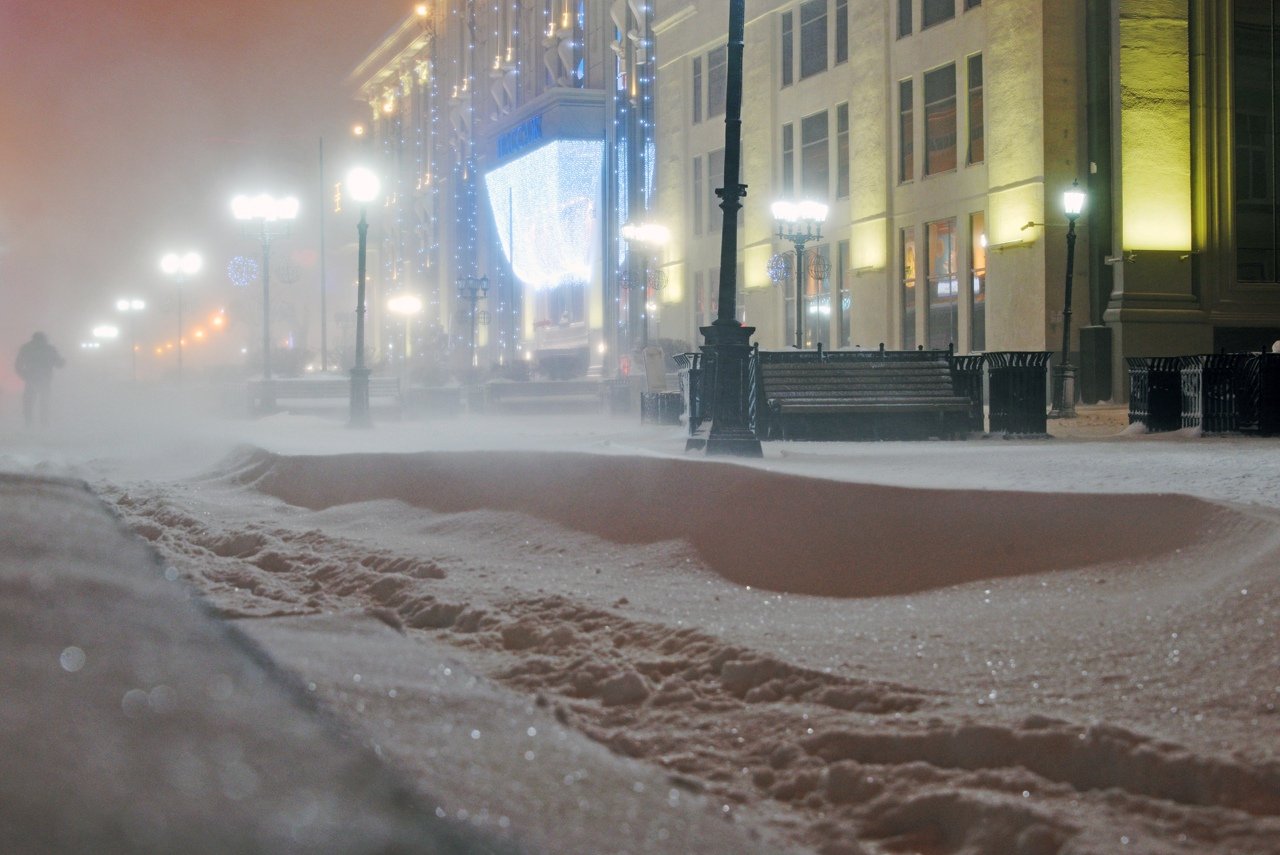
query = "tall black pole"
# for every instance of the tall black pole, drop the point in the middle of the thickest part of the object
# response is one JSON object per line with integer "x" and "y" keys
{"x": 181, "y": 280}
{"x": 799, "y": 244}
{"x": 1064, "y": 399}
{"x": 359, "y": 416}
{"x": 728, "y": 342}
{"x": 268, "y": 401}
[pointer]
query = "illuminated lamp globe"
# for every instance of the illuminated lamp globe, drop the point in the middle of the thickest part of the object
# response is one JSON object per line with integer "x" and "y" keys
{"x": 1073, "y": 201}
{"x": 187, "y": 264}
{"x": 363, "y": 184}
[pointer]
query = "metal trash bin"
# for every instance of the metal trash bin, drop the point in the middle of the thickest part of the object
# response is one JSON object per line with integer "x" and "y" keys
{"x": 691, "y": 374}
{"x": 1017, "y": 384}
{"x": 1155, "y": 392}
{"x": 967, "y": 375}
{"x": 1258, "y": 393}
{"x": 1209, "y": 387}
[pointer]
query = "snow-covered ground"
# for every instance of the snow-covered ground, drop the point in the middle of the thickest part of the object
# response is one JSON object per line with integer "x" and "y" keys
{"x": 567, "y": 632}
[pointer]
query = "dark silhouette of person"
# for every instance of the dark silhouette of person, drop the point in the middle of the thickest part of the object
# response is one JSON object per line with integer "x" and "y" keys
{"x": 35, "y": 363}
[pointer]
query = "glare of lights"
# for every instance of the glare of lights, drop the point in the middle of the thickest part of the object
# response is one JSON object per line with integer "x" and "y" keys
{"x": 357, "y": 130}
{"x": 90, "y": 345}
{"x": 554, "y": 194}
{"x": 187, "y": 264}
{"x": 798, "y": 212}
{"x": 159, "y": 351}
{"x": 405, "y": 304}
{"x": 130, "y": 305}
{"x": 106, "y": 331}
{"x": 421, "y": 10}
{"x": 363, "y": 184}
{"x": 264, "y": 207}
{"x": 602, "y": 347}
{"x": 652, "y": 234}
{"x": 199, "y": 333}
{"x": 217, "y": 321}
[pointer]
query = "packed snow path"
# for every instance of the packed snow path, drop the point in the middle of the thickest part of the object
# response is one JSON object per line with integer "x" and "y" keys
{"x": 835, "y": 667}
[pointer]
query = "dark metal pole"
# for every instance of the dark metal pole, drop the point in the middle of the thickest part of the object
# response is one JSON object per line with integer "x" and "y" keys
{"x": 359, "y": 416}
{"x": 1064, "y": 404}
{"x": 181, "y": 279}
{"x": 799, "y": 244}
{"x": 728, "y": 342}
{"x": 268, "y": 401}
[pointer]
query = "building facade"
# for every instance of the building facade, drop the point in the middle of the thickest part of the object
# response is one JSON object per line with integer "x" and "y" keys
{"x": 941, "y": 134}
{"x": 515, "y": 140}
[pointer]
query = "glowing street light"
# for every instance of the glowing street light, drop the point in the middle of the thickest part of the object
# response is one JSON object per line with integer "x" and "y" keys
{"x": 405, "y": 305}
{"x": 1064, "y": 387}
{"x": 799, "y": 223}
{"x": 130, "y": 307}
{"x": 179, "y": 268}
{"x": 272, "y": 218}
{"x": 363, "y": 186}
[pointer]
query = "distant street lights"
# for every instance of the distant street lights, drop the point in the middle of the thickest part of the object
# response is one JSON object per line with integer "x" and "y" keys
{"x": 266, "y": 218}
{"x": 363, "y": 186}
{"x": 650, "y": 238}
{"x": 130, "y": 307}
{"x": 1064, "y": 387}
{"x": 179, "y": 268}
{"x": 799, "y": 223}
{"x": 473, "y": 289}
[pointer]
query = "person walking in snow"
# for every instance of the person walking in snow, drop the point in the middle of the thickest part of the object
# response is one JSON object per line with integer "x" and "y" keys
{"x": 35, "y": 363}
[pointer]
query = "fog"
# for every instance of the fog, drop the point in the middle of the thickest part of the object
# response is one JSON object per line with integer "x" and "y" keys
{"x": 125, "y": 129}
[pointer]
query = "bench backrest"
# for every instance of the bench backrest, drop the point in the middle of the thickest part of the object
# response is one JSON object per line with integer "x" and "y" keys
{"x": 882, "y": 378}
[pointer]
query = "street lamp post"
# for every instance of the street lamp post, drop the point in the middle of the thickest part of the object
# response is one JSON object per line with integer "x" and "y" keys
{"x": 650, "y": 238}
{"x": 272, "y": 218}
{"x": 130, "y": 306}
{"x": 1064, "y": 392}
{"x": 728, "y": 340}
{"x": 364, "y": 186}
{"x": 179, "y": 268}
{"x": 473, "y": 289}
{"x": 800, "y": 223}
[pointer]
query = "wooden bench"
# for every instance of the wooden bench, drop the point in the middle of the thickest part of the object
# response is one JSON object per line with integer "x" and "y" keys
{"x": 318, "y": 389}
{"x": 859, "y": 395}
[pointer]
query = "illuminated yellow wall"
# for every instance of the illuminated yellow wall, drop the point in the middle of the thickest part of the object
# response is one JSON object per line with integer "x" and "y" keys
{"x": 756, "y": 266}
{"x": 1155, "y": 125}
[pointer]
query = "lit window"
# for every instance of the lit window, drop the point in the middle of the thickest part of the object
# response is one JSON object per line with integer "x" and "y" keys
{"x": 943, "y": 289}
{"x": 907, "y": 271}
{"x": 977, "y": 144}
{"x": 940, "y": 120}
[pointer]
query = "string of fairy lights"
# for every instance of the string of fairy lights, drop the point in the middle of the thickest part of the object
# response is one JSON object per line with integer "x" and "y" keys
{"x": 470, "y": 77}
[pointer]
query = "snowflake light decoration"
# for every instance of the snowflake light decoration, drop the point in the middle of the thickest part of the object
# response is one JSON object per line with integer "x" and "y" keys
{"x": 779, "y": 267}
{"x": 242, "y": 270}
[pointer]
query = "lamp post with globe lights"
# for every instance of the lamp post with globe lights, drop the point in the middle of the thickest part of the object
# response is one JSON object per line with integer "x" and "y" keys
{"x": 473, "y": 289}
{"x": 180, "y": 268}
{"x": 1064, "y": 387}
{"x": 265, "y": 217}
{"x": 363, "y": 186}
{"x": 799, "y": 223}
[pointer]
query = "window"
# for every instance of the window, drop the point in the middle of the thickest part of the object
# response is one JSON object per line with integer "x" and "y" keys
{"x": 717, "y": 80}
{"x": 788, "y": 50}
{"x": 817, "y": 310}
{"x": 788, "y": 160}
{"x": 844, "y": 297}
{"x": 842, "y": 151}
{"x": 813, "y": 38}
{"x": 906, "y": 133}
{"x": 842, "y": 31}
{"x": 697, "y": 89}
{"x": 815, "y": 157}
{"x": 940, "y": 120}
{"x": 697, "y": 196}
{"x": 971, "y": 4}
{"x": 935, "y": 12}
{"x": 907, "y": 269}
{"x": 977, "y": 145}
{"x": 943, "y": 288}
{"x": 715, "y": 180}
{"x": 904, "y": 18}
{"x": 978, "y": 278}
{"x": 1257, "y": 76}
